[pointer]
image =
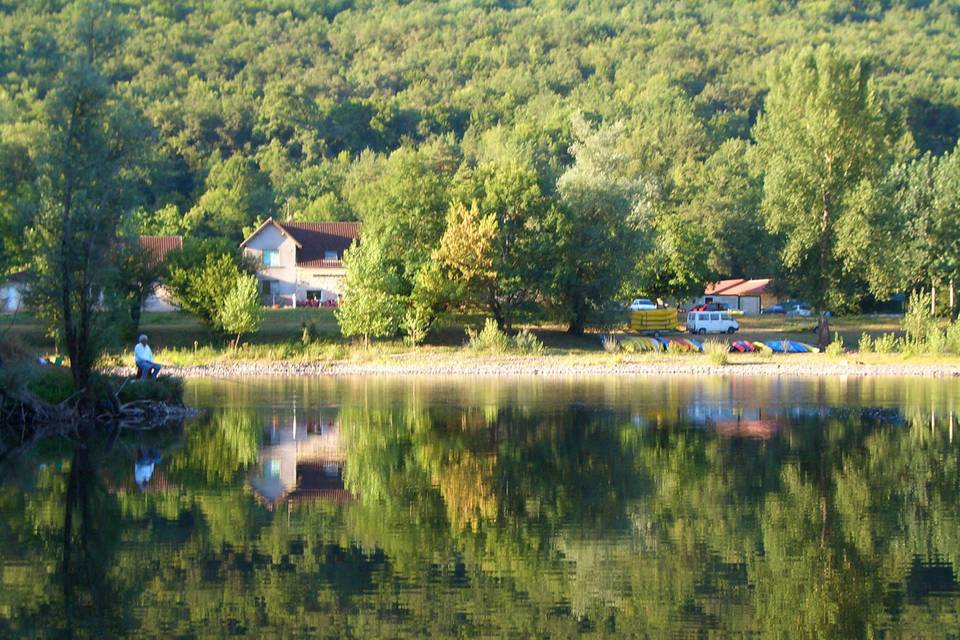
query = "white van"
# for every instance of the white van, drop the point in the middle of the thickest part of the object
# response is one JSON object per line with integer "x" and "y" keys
{"x": 711, "y": 322}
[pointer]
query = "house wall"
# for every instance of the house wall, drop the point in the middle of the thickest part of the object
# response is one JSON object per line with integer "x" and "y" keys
{"x": 328, "y": 280}
{"x": 160, "y": 300}
{"x": 285, "y": 275}
{"x": 11, "y": 297}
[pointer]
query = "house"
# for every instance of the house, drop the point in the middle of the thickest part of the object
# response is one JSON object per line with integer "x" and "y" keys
{"x": 12, "y": 290}
{"x": 159, "y": 247}
{"x": 301, "y": 261}
{"x": 749, "y": 296}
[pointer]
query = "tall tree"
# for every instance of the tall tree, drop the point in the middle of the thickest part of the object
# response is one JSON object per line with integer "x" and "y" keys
{"x": 599, "y": 228}
{"x": 507, "y": 225}
{"x": 823, "y": 141}
{"x": 85, "y": 169}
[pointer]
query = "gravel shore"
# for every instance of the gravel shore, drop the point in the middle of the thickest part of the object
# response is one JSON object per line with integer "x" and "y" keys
{"x": 521, "y": 367}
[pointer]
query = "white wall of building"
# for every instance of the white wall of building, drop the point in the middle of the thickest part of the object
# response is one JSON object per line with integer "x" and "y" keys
{"x": 11, "y": 298}
{"x": 160, "y": 300}
{"x": 284, "y": 275}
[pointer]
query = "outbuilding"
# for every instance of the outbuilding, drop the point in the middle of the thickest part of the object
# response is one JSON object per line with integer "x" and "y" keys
{"x": 748, "y": 296}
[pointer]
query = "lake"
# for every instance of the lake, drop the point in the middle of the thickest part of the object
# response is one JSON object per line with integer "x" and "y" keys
{"x": 610, "y": 507}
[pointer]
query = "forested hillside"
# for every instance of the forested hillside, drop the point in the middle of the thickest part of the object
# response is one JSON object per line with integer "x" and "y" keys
{"x": 623, "y": 129}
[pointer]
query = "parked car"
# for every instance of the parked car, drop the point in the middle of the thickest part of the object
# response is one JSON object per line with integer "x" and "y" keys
{"x": 642, "y": 304}
{"x": 800, "y": 310}
{"x": 773, "y": 309}
{"x": 711, "y": 306}
{"x": 711, "y": 322}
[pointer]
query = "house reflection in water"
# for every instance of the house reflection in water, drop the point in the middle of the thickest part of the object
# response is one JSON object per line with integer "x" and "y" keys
{"x": 736, "y": 421}
{"x": 301, "y": 460}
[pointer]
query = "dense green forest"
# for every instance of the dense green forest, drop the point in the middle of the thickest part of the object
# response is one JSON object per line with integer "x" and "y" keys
{"x": 617, "y": 147}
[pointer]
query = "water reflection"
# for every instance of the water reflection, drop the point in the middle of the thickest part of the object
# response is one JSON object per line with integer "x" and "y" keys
{"x": 378, "y": 508}
{"x": 301, "y": 459}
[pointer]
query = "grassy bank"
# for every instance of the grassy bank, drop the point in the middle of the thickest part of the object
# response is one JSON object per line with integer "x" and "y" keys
{"x": 180, "y": 341}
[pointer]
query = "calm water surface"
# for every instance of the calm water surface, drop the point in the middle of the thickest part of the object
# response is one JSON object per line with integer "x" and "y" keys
{"x": 476, "y": 508}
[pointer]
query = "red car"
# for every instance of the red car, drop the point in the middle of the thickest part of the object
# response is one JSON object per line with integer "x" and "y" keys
{"x": 711, "y": 306}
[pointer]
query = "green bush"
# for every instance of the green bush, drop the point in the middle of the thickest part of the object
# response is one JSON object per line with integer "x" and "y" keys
{"x": 489, "y": 339}
{"x": 919, "y": 322}
{"x": 416, "y": 325}
{"x": 717, "y": 352}
{"x": 51, "y": 383}
{"x": 886, "y": 343}
{"x": 835, "y": 349}
{"x": 866, "y": 343}
{"x": 167, "y": 389}
{"x": 527, "y": 343}
{"x": 611, "y": 344}
{"x": 952, "y": 337}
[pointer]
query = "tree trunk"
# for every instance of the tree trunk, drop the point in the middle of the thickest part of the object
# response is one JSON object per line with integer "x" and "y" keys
{"x": 579, "y": 321}
{"x": 952, "y": 298}
{"x": 933, "y": 299}
{"x": 497, "y": 310}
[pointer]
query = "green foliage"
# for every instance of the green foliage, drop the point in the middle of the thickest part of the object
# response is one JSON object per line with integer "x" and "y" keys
{"x": 372, "y": 306}
{"x": 201, "y": 276}
{"x": 165, "y": 388}
{"x": 241, "y": 310}
{"x": 718, "y": 352}
{"x": 390, "y": 112}
{"x": 527, "y": 343}
{"x": 236, "y": 196}
{"x": 599, "y": 226}
{"x": 835, "y": 349}
{"x": 919, "y": 320}
{"x": 865, "y": 345}
{"x": 489, "y": 339}
{"x": 824, "y": 145}
{"x": 416, "y": 324}
{"x": 885, "y": 343}
{"x": 85, "y": 156}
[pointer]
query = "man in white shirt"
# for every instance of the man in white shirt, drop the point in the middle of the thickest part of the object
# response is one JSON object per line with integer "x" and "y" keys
{"x": 143, "y": 356}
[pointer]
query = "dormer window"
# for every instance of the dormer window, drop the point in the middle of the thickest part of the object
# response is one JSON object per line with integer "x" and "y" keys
{"x": 271, "y": 258}
{"x": 330, "y": 255}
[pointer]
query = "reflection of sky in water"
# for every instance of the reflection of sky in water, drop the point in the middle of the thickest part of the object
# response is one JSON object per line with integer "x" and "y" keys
{"x": 479, "y": 508}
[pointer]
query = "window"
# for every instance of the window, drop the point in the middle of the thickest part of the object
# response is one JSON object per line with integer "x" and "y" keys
{"x": 330, "y": 255}
{"x": 313, "y": 294}
{"x": 271, "y": 258}
{"x": 266, "y": 287}
{"x": 724, "y": 316}
{"x": 714, "y": 316}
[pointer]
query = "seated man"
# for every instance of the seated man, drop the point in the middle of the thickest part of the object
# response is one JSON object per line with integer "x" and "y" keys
{"x": 143, "y": 356}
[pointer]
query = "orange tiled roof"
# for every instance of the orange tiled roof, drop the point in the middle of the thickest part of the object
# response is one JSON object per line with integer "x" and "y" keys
{"x": 160, "y": 246}
{"x": 738, "y": 287}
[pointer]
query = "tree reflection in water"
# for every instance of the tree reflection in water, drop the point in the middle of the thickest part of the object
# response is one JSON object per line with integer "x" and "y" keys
{"x": 380, "y": 508}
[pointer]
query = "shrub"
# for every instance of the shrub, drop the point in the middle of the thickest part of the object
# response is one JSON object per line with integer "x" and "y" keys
{"x": 936, "y": 341}
{"x": 952, "y": 337}
{"x": 866, "y": 343}
{"x": 526, "y": 342}
{"x": 919, "y": 322}
{"x": 718, "y": 352}
{"x": 835, "y": 349}
{"x": 886, "y": 343}
{"x": 167, "y": 389}
{"x": 611, "y": 344}
{"x": 309, "y": 334}
{"x": 416, "y": 325}
{"x": 241, "y": 311}
{"x": 489, "y": 339}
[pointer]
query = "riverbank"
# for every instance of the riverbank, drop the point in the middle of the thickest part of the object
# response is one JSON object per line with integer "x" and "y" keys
{"x": 415, "y": 364}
